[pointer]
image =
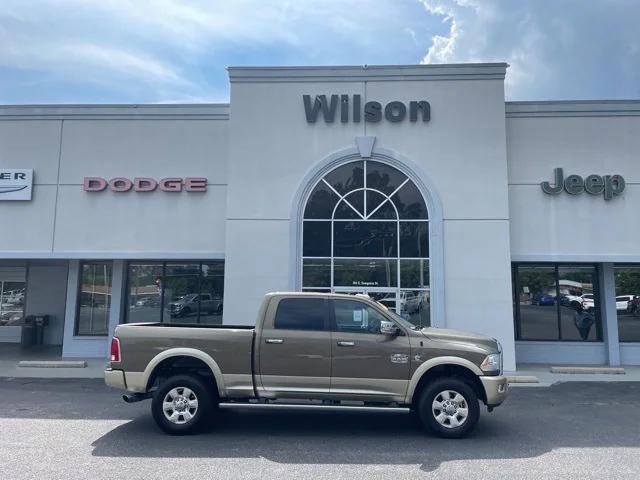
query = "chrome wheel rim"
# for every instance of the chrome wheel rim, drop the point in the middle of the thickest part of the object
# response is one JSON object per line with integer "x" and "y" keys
{"x": 180, "y": 405}
{"x": 450, "y": 409}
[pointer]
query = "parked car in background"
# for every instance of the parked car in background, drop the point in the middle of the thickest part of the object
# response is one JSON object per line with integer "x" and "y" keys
{"x": 573, "y": 301}
{"x": 622, "y": 302}
{"x": 545, "y": 300}
{"x": 588, "y": 301}
{"x": 188, "y": 304}
{"x": 149, "y": 301}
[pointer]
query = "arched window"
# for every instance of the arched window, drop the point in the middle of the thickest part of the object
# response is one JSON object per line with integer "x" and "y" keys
{"x": 366, "y": 230}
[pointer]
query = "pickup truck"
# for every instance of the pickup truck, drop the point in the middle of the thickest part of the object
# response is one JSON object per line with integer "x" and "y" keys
{"x": 310, "y": 347}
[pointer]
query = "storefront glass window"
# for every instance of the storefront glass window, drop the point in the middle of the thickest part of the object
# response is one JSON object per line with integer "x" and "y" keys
{"x": 94, "y": 298}
{"x": 579, "y": 305}
{"x": 179, "y": 292}
{"x": 556, "y": 302}
{"x": 366, "y": 230}
{"x": 627, "y": 281}
{"x": 211, "y": 289}
{"x": 12, "y": 296}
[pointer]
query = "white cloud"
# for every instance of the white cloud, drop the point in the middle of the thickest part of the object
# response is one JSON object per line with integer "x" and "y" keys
{"x": 556, "y": 49}
{"x": 154, "y": 50}
{"x": 171, "y": 48}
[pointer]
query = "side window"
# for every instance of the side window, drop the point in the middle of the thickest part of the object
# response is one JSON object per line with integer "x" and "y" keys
{"x": 301, "y": 314}
{"x": 356, "y": 317}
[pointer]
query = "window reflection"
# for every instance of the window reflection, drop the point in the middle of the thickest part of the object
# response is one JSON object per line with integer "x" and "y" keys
{"x": 211, "y": 292}
{"x": 358, "y": 248}
{"x": 145, "y": 288}
{"x": 346, "y": 178}
{"x": 365, "y": 272}
{"x": 537, "y": 299}
{"x": 365, "y": 239}
{"x": 410, "y": 203}
{"x": 321, "y": 202}
{"x": 627, "y": 282}
{"x": 12, "y": 296}
{"x": 415, "y": 307}
{"x": 414, "y": 273}
{"x": 190, "y": 292}
{"x": 316, "y": 272}
{"x": 94, "y": 298}
{"x": 578, "y": 303}
{"x": 384, "y": 177}
{"x": 556, "y": 302}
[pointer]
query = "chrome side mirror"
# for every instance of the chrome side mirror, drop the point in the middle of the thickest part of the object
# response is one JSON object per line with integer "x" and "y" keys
{"x": 389, "y": 328}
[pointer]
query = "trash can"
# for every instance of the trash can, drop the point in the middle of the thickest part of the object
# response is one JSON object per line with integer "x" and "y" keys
{"x": 39, "y": 322}
{"x": 27, "y": 332}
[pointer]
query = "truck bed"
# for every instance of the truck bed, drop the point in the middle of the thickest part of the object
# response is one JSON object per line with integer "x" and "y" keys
{"x": 191, "y": 325}
{"x": 230, "y": 345}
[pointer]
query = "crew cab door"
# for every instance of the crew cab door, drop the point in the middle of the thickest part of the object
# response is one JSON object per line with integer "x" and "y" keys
{"x": 294, "y": 351}
{"x": 365, "y": 362}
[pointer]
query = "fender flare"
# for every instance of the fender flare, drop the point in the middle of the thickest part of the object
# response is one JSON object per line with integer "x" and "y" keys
{"x": 434, "y": 362}
{"x": 186, "y": 352}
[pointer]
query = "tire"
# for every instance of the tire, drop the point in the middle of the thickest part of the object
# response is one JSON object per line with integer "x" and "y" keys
{"x": 454, "y": 394}
{"x": 181, "y": 391}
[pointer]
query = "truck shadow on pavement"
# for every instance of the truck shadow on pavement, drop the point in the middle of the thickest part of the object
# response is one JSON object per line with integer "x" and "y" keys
{"x": 532, "y": 422}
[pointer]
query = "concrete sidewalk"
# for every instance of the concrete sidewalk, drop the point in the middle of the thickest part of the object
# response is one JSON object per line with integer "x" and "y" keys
{"x": 12, "y": 355}
{"x": 94, "y": 369}
{"x": 546, "y": 377}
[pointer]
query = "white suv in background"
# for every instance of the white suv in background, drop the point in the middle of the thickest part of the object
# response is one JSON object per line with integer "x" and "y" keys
{"x": 588, "y": 301}
{"x": 622, "y": 301}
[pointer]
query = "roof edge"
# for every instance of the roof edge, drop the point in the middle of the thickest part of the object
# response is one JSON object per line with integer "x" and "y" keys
{"x": 107, "y": 111}
{"x": 355, "y": 73}
{"x": 573, "y": 108}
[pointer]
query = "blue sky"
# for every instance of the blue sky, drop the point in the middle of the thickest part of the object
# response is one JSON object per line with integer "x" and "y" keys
{"x": 141, "y": 51}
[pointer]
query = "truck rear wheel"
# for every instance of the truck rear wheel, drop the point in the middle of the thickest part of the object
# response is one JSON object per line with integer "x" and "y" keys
{"x": 448, "y": 407}
{"x": 182, "y": 405}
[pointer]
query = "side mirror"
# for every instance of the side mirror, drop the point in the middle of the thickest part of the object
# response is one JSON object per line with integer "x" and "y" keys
{"x": 389, "y": 328}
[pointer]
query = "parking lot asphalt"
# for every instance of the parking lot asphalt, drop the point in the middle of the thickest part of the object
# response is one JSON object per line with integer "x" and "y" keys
{"x": 79, "y": 428}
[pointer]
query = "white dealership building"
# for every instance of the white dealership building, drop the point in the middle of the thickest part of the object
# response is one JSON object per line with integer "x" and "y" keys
{"x": 416, "y": 184}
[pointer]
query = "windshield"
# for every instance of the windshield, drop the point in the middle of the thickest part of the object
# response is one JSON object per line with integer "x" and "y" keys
{"x": 404, "y": 323}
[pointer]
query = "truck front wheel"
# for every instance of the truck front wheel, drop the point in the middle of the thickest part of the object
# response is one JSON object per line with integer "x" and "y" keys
{"x": 448, "y": 407}
{"x": 182, "y": 405}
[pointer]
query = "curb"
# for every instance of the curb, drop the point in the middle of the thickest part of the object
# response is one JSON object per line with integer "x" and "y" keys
{"x": 589, "y": 370}
{"x": 522, "y": 379}
{"x": 53, "y": 364}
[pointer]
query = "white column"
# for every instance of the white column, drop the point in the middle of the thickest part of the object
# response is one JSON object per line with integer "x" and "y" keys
{"x": 70, "y": 307}
{"x": 118, "y": 279}
{"x": 609, "y": 313}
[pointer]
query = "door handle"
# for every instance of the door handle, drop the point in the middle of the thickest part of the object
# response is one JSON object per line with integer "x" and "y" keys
{"x": 274, "y": 340}
{"x": 346, "y": 344}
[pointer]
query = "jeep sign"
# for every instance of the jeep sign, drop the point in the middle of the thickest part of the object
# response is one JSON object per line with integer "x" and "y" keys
{"x": 16, "y": 184}
{"x": 607, "y": 185}
{"x": 371, "y": 112}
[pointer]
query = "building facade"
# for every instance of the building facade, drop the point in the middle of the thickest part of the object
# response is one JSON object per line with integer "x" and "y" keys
{"x": 418, "y": 185}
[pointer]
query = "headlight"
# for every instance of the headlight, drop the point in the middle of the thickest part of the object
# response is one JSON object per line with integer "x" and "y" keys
{"x": 492, "y": 363}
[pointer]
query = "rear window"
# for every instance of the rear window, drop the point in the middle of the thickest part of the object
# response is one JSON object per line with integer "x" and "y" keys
{"x": 301, "y": 314}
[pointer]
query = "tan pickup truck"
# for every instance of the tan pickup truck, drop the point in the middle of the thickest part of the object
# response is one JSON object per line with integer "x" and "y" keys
{"x": 323, "y": 348}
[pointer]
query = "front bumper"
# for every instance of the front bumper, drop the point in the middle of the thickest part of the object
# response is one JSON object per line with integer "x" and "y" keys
{"x": 495, "y": 389}
{"x": 115, "y": 379}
